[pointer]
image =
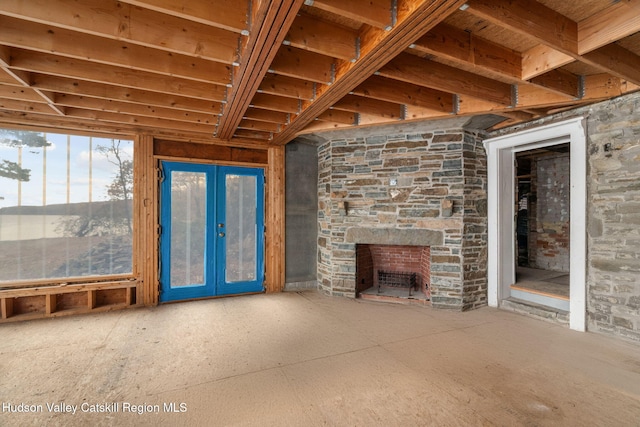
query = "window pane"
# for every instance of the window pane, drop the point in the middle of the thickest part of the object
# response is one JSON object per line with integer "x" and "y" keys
{"x": 65, "y": 206}
{"x": 241, "y": 228}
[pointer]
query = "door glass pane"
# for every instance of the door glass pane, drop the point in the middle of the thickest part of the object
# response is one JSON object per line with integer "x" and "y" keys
{"x": 188, "y": 214}
{"x": 241, "y": 233}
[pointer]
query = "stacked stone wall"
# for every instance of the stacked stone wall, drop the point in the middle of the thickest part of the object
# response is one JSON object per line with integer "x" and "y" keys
{"x": 474, "y": 246}
{"x": 613, "y": 213}
{"x": 406, "y": 182}
{"x": 614, "y": 217}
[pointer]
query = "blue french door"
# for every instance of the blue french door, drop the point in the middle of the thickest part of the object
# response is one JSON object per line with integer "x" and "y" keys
{"x": 212, "y": 230}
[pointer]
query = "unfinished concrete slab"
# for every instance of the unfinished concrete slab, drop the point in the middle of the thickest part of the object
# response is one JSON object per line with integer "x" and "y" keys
{"x": 308, "y": 359}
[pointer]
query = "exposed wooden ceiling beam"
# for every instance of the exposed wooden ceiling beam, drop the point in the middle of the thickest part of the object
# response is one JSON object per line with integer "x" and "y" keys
{"x": 148, "y": 122}
{"x": 603, "y": 86}
{"x": 385, "y": 89}
{"x": 323, "y": 126}
{"x": 564, "y": 39}
{"x": 254, "y": 134}
{"x": 415, "y": 18}
{"x": 461, "y": 46}
{"x": 568, "y": 38}
{"x": 5, "y": 77}
{"x": 339, "y": 116}
{"x": 85, "y": 70}
{"x": 75, "y": 101}
{"x": 361, "y": 104}
{"x": 276, "y": 103}
{"x": 26, "y": 106}
{"x": 23, "y": 78}
{"x": 616, "y": 21}
{"x": 424, "y": 72}
{"x": 268, "y": 29}
{"x": 266, "y": 115}
{"x": 136, "y": 25}
{"x": 377, "y": 13}
{"x": 617, "y": 61}
{"x": 259, "y": 125}
{"x": 302, "y": 64}
{"x": 82, "y": 126}
{"x": 542, "y": 58}
{"x": 19, "y": 93}
{"x": 532, "y": 19}
{"x": 123, "y": 94}
{"x": 44, "y": 38}
{"x": 560, "y": 81}
{"x": 230, "y": 15}
{"x": 287, "y": 86}
{"x": 310, "y": 33}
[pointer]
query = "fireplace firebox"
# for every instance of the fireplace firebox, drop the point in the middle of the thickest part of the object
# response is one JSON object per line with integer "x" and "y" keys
{"x": 384, "y": 267}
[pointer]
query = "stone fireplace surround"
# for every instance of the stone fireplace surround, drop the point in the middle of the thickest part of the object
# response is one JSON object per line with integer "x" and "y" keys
{"x": 396, "y": 188}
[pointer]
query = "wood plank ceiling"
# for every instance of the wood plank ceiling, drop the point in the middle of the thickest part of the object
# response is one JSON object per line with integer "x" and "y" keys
{"x": 265, "y": 71}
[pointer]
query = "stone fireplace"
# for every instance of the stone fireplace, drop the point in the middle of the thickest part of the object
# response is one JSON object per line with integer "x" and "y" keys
{"x": 424, "y": 190}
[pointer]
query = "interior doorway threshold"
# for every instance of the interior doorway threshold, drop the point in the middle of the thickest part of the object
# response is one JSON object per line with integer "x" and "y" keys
{"x": 539, "y": 311}
{"x": 558, "y": 302}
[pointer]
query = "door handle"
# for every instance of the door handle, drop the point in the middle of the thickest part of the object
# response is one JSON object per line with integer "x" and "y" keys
{"x": 221, "y": 234}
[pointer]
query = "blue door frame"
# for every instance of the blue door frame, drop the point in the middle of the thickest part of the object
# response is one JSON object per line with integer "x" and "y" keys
{"x": 212, "y": 231}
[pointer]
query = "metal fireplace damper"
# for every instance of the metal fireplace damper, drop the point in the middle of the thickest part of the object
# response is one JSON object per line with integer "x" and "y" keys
{"x": 397, "y": 279}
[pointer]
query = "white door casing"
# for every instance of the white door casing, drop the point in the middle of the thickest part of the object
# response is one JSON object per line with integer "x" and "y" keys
{"x": 501, "y": 227}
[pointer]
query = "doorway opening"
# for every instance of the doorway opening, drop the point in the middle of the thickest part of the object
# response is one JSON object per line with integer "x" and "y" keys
{"x": 502, "y": 153}
{"x": 542, "y": 216}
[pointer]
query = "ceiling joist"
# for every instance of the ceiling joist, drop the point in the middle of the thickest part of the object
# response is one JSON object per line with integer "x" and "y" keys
{"x": 265, "y": 71}
{"x": 269, "y": 26}
{"x": 415, "y": 18}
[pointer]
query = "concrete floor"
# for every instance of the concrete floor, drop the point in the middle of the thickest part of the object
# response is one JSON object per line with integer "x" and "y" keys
{"x": 304, "y": 359}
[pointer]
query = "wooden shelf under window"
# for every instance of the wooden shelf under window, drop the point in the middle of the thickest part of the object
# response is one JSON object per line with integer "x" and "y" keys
{"x": 61, "y": 300}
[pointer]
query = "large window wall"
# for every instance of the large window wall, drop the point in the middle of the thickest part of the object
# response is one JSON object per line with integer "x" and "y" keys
{"x": 65, "y": 206}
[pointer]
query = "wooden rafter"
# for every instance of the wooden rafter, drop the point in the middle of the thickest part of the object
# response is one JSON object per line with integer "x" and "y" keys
{"x": 217, "y": 13}
{"x": 265, "y": 69}
{"x": 531, "y": 19}
{"x": 286, "y": 86}
{"x": 415, "y": 18}
{"x": 322, "y": 37}
{"x": 563, "y": 40}
{"x": 617, "y": 60}
{"x": 302, "y": 64}
{"x": 75, "y": 101}
{"x": 618, "y": 20}
{"x": 24, "y": 78}
{"x": 268, "y": 29}
{"x": 461, "y": 46}
{"x": 62, "y": 85}
{"x": 377, "y": 13}
{"x": 384, "y": 89}
{"x": 424, "y": 72}
{"x": 137, "y": 25}
{"x": 118, "y": 76}
{"x": 354, "y": 104}
{"x": 43, "y": 38}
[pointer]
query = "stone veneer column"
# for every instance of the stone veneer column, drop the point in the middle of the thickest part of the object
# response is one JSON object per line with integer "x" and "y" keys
{"x": 358, "y": 198}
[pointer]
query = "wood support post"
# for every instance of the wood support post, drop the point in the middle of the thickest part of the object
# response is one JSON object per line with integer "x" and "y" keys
{"x": 275, "y": 221}
{"x": 145, "y": 219}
